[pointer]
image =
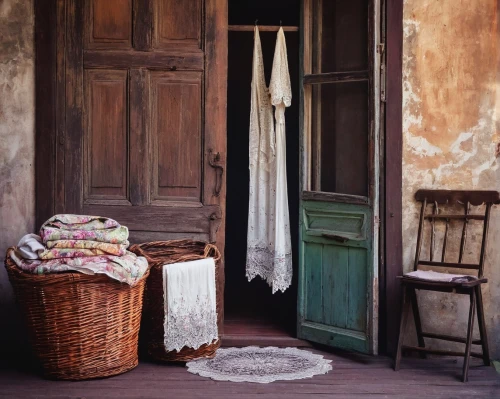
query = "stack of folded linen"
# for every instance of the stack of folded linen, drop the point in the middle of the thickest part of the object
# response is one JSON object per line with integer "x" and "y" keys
{"x": 87, "y": 244}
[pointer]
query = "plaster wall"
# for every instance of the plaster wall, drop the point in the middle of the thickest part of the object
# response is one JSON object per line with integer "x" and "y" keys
{"x": 451, "y": 128}
{"x": 17, "y": 141}
{"x": 451, "y": 132}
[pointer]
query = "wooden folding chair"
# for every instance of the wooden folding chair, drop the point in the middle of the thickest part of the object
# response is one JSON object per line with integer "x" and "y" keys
{"x": 440, "y": 200}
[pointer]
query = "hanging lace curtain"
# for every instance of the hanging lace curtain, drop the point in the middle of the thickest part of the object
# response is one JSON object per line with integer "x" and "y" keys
{"x": 268, "y": 241}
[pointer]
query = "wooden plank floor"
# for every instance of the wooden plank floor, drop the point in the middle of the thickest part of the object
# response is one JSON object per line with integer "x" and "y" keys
{"x": 245, "y": 330}
{"x": 353, "y": 376}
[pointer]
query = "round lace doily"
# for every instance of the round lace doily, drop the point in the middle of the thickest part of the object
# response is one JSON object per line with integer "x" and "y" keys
{"x": 262, "y": 365}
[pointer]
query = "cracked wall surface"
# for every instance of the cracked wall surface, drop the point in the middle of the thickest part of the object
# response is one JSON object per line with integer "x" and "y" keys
{"x": 17, "y": 141}
{"x": 451, "y": 132}
{"x": 451, "y": 128}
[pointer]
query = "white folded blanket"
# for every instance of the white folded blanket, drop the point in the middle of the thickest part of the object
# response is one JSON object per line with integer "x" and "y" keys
{"x": 430, "y": 275}
{"x": 190, "y": 306}
{"x": 30, "y": 246}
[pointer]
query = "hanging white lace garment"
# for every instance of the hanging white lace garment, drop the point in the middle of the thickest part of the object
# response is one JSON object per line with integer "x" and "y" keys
{"x": 268, "y": 242}
{"x": 261, "y": 234}
{"x": 280, "y": 89}
{"x": 189, "y": 300}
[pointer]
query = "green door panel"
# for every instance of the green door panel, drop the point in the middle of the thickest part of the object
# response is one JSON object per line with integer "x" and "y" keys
{"x": 335, "y": 274}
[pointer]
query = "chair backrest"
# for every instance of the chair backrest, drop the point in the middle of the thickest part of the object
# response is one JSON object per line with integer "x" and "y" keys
{"x": 440, "y": 200}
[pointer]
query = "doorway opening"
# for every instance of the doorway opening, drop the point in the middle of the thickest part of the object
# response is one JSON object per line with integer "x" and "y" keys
{"x": 252, "y": 313}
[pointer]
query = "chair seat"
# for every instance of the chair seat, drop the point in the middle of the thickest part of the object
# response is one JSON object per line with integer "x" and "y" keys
{"x": 424, "y": 277}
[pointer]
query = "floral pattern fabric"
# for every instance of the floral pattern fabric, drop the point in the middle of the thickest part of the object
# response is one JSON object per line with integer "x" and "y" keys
{"x": 104, "y": 247}
{"x": 81, "y": 227}
{"x": 128, "y": 268}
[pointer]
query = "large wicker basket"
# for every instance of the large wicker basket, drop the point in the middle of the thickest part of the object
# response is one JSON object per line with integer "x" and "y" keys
{"x": 160, "y": 253}
{"x": 80, "y": 326}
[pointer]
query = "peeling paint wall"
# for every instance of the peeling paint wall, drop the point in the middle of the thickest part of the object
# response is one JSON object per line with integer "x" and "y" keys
{"x": 17, "y": 140}
{"x": 451, "y": 128}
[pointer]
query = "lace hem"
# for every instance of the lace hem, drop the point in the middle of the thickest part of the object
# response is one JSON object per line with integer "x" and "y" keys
{"x": 191, "y": 325}
{"x": 260, "y": 365}
{"x": 275, "y": 268}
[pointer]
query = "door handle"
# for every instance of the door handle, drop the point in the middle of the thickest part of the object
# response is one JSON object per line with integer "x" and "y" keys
{"x": 213, "y": 161}
{"x": 335, "y": 237}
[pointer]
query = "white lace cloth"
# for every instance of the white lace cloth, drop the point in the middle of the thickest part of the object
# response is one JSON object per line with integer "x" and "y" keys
{"x": 262, "y": 365}
{"x": 189, "y": 298}
{"x": 269, "y": 252}
{"x": 430, "y": 275}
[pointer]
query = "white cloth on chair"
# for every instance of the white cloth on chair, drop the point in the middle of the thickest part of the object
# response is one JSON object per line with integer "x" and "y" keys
{"x": 190, "y": 304}
{"x": 429, "y": 275}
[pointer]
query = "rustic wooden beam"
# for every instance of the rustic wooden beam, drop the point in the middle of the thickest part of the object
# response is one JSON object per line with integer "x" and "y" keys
{"x": 262, "y": 28}
{"x": 393, "y": 171}
{"x": 336, "y": 77}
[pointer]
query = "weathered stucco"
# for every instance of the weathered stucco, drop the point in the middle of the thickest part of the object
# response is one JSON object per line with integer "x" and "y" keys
{"x": 451, "y": 127}
{"x": 17, "y": 143}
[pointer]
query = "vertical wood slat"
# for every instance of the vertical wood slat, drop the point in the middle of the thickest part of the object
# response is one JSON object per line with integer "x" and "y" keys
{"x": 420, "y": 234}
{"x": 138, "y": 148}
{"x": 142, "y": 26}
{"x": 463, "y": 240}
{"x": 433, "y": 232}
{"x": 74, "y": 106}
{"x": 393, "y": 170}
{"x": 45, "y": 118}
{"x": 215, "y": 121}
{"x": 313, "y": 258}
{"x": 484, "y": 244}
{"x": 306, "y": 95}
{"x": 335, "y": 291}
{"x": 357, "y": 289}
{"x": 60, "y": 108}
{"x": 445, "y": 240}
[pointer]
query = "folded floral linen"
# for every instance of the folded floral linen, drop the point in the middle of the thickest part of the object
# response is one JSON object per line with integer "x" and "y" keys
{"x": 81, "y": 227}
{"x": 128, "y": 268}
{"x": 190, "y": 306}
{"x": 111, "y": 249}
{"x": 58, "y": 253}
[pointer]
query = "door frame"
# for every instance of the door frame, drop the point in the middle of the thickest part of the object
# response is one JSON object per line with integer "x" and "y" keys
{"x": 391, "y": 250}
{"x": 49, "y": 99}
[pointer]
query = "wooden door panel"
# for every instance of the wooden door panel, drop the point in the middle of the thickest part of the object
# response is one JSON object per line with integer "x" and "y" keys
{"x": 178, "y": 23}
{"x": 342, "y": 131}
{"x": 176, "y": 132}
{"x": 336, "y": 269}
{"x": 134, "y": 141}
{"x": 342, "y": 36}
{"x": 109, "y": 24}
{"x": 105, "y": 135}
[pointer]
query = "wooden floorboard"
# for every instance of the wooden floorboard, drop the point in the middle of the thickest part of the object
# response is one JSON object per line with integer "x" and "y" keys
{"x": 353, "y": 376}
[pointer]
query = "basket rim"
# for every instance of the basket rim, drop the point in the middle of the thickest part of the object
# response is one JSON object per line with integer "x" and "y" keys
{"x": 74, "y": 276}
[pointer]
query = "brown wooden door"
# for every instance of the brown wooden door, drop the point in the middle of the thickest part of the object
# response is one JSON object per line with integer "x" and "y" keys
{"x": 145, "y": 105}
{"x": 140, "y": 116}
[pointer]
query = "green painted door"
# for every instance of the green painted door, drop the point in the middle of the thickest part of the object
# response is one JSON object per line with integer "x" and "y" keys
{"x": 338, "y": 266}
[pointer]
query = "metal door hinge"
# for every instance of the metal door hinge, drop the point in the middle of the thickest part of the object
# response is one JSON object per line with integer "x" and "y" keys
{"x": 383, "y": 75}
{"x": 383, "y": 72}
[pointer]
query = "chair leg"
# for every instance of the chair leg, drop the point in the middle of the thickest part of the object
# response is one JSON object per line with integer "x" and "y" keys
{"x": 416, "y": 317}
{"x": 470, "y": 328}
{"x": 402, "y": 327}
{"x": 482, "y": 326}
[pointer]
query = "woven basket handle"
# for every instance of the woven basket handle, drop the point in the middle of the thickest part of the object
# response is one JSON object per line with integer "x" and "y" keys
{"x": 154, "y": 251}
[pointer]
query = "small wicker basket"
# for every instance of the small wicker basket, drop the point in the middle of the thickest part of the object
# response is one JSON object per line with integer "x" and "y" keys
{"x": 80, "y": 326}
{"x": 160, "y": 253}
